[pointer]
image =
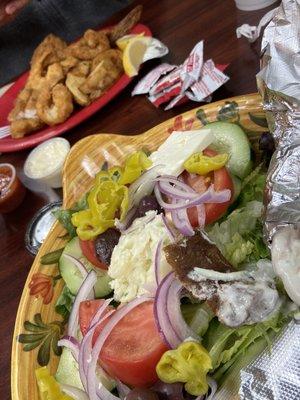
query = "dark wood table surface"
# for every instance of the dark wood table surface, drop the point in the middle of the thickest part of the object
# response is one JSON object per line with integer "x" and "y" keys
{"x": 180, "y": 24}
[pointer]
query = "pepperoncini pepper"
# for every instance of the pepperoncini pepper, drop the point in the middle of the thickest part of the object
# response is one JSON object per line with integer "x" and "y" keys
{"x": 109, "y": 198}
{"x": 189, "y": 363}
{"x": 48, "y": 387}
{"x": 200, "y": 164}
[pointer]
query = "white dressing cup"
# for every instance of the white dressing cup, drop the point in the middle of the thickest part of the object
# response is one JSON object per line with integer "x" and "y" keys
{"x": 45, "y": 162}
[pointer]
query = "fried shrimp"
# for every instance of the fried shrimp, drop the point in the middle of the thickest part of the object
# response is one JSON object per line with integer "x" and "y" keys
{"x": 23, "y": 118}
{"x": 54, "y": 105}
{"x": 90, "y": 45}
{"x": 106, "y": 69}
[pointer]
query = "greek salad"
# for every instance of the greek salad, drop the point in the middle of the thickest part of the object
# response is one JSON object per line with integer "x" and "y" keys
{"x": 168, "y": 282}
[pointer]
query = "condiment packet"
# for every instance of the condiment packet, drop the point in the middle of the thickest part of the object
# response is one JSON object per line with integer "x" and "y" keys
{"x": 193, "y": 80}
{"x": 149, "y": 80}
{"x": 211, "y": 79}
{"x": 155, "y": 49}
{"x": 192, "y": 66}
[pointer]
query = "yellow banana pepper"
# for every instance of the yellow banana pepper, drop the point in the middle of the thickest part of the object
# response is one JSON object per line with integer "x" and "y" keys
{"x": 189, "y": 363}
{"x": 135, "y": 164}
{"x": 48, "y": 387}
{"x": 109, "y": 198}
{"x": 200, "y": 164}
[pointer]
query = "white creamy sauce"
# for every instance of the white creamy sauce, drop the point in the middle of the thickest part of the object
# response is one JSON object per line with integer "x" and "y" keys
{"x": 46, "y": 158}
{"x": 286, "y": 260}
{"x": 132, "y": 262}
{"x": 242, "y": 303}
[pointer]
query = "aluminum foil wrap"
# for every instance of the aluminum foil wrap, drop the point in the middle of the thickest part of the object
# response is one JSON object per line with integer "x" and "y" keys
{"x": 279, "y": 85}
{"x": 275, "y": 374}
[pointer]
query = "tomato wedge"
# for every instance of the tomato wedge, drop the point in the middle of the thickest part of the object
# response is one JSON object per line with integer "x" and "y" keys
{"x": 134, "y": 346}
{"x": 87, "y": 310}
{"x": 88, "y": 250}
{"x": 221, "y": 179}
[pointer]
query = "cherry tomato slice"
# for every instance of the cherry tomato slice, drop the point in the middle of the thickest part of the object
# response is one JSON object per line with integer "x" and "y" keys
{"x": 88, "y": 250}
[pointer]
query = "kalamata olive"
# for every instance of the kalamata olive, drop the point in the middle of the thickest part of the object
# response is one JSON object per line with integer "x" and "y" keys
{"x": 267, "y": 144}
{"x": 141, "y": 394}
{"x": 147, "y": 203}
{"x": 169, "y": 391}
{"x": 105, "y": 243}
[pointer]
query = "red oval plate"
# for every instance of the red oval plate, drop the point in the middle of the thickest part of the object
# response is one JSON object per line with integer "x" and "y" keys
{"x": 8, "y": 144}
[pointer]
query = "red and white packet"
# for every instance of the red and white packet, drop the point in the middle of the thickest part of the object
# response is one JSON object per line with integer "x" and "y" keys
{"x": 191, "y": 68}
{"x": 193, "y": 80}
{"x": 145, "y": 84}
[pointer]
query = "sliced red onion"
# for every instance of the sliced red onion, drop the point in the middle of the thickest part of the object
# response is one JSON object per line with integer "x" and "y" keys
{"x": 122, "y": 226}
{"x": 157, "y": 262}
{"x": 201, "y": 215}
{"x": 123, "y": 390}
{"x": 167, "y": 311}
{"x": 74, "y": 392}
{"x": 161, "y": 315}
{"x": 85, "y": 292}
{"x": 70, "y": 343}
{"x": 210, "y": 196}
{"x": 101, "y": 392}
{"x": 172, "y": 191}
{"x": 78, "y": 264}
{"x": 169, "y": 230}
{"x": 181, "y": 221}
{"x": 143, "y": 185}
{"x": 213, "y": 389}
{"x": 86, "y": 344}
{"x": 178, "y": 323}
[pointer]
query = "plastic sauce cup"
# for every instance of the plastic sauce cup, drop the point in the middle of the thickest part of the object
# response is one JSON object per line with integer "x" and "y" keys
{"x": 45, "y": 163}
{"x": 12, "y": 191}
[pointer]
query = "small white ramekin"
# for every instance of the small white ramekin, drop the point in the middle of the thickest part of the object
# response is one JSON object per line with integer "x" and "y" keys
{"x": 54, "y": 177}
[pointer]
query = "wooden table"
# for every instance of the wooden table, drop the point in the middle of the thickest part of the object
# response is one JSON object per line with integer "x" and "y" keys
{"x": 180, "y": 25}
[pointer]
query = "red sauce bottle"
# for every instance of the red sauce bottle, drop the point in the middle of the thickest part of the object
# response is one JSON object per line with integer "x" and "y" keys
{"x": 12, "y": 191}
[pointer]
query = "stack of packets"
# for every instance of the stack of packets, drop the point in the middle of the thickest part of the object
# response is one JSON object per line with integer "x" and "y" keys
{"x": 194, "y": 80}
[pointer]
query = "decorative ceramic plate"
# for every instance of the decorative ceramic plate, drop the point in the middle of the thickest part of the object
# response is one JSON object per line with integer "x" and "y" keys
{"x": 38, "y": 327}
{"x": 7, "y": 101}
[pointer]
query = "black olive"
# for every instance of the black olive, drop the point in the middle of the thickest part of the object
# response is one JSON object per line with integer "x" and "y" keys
{"x": 147, "y": 203}
{"x": 141, "y": 394}
{"x": 105, "y": 243}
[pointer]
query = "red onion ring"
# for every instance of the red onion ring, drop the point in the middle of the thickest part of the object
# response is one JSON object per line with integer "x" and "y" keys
{"x": 86, "y": 343}
{"x": 84, "y": 293}
{"x": 181, "y": 221}
{"x": 101, "y": 392}
{"x": 157, "y": 259}
{"x": 80, "y": 266}
{"x": 123, "y": 390}
{"x": 74, "y": 392}
{"x": 201, "y": 215}
{"x": 210, "y": 196}
{"x": 70, "y": 343}
{"x": 161, "y": 315}
{"x": 170, "y": 232}
{"x": 167, "y": 312}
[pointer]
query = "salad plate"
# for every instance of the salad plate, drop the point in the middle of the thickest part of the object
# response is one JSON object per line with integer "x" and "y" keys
{"x": 40, "y": 323}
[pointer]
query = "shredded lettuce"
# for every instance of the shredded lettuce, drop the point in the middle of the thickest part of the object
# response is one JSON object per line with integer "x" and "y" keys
{"x": 64, "y": 216}
{"x": 197, "y": 316}
{"x": 226, "y": 344}
{"x": 239, "y": 237}
{"x": 64, "y": 303}
{"x": 253, "y": 187}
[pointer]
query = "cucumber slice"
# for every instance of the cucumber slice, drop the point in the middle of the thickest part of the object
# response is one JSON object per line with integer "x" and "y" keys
{"x": 68, "y": 373}
{"x": 73, "y": 277}
{"x": 67, "y": 370}
{"x": 231, "y": 139}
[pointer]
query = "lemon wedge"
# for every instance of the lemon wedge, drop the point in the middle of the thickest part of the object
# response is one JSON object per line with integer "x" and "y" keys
{"x": 124, "y": 40}
{"x": 133, "y": 54}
